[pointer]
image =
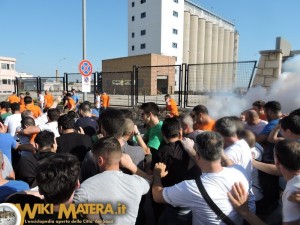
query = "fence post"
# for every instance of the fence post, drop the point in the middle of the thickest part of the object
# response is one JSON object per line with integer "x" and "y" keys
{"x": 186, "y": 85}
{"x": 38, "y": 83}
{"x": 67, "y": 82}
{"x": 135, "y": 72}
{"x": 95, "y": 88}
{"x": 132, "y": 89}
{"x": 128, "y": 100}
{"x": 64, "y": 83}
{"x": 17, "y": 85}
{"x": 252, "y": 76}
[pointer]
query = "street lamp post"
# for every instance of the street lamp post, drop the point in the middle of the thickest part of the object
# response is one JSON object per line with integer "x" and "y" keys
{"x": 84, "y": 37}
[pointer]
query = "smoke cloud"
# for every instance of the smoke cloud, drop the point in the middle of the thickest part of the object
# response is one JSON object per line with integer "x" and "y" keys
{"x": 285, "y": 90}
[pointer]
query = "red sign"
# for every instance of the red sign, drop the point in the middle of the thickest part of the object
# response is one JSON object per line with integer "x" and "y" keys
{"x": 85, "y": 68}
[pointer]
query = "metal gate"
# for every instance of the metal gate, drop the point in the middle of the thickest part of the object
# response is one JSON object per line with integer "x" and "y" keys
{"x": 188, "y": 84}
{"x": 27, "y": 84}
{"x": 152, "y": 83}
{"x": 205, "y": 80}
{"x": 120, "y": 86}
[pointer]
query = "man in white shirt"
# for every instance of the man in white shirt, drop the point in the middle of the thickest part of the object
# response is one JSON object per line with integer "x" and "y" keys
{"x": 111, "y": 185}
{"x": 41, "y": 100}
{"x": 13, "y": 121}
{"x": 287, "y": 158}
{"x": 253, "y": 122}
{"x": 52, "y": 125}
{"x": 217, "y": 181}
{"x": 238, "y": 151}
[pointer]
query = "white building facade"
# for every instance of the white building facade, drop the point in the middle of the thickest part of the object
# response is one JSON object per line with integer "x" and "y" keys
{"x": 7, "y": 75}
{"x": 187, "y": 31}
{"x": 156, "y": 26}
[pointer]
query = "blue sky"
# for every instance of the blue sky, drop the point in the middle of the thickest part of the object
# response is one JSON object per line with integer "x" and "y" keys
{"x": 47, "y": 31}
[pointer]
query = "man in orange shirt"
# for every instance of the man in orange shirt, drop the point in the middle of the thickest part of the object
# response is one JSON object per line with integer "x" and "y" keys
{"x": 48, "y": 98}
{"x": 13, "y": 98}
{"x": 71, "y": 103}
{"x": 202, "y": 121}
{"x": 105, "y": 101}
{"x": 36, "y": 111}
{"x": 171, "y": 106}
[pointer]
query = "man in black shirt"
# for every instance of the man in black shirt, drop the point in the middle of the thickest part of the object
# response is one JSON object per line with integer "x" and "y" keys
{"x": 177, "y": 163}
{"x": 70, "y": 141}
{"x": 87, "y": 121}
{"x": 25, "y": 168}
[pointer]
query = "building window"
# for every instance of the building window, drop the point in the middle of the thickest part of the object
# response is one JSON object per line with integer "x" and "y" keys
{"x": 174, "y": 45}
{"x": 4, "y": 81}
{"x": 132, "y": 34}
{"x": 132, "y": 4}
{"x": 176, "y": 1}
{"x": 9, "y": 81}
{"x": 143, "y": 32}
{"x": 143, "y": 14}
{"x": 143, "y": 46}
{"x": 4, "y": 66}
{"x": 175, "y": 13}
{"x": 132, "y": 18}
{"x": 12, "y": 66}
{"x": 175, "y": 31}
{"x": 143, "y": 1}
{"x": 132, "y": 48}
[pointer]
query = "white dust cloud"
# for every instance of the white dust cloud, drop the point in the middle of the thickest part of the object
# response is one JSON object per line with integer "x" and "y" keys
{"x": 285, "y": 90}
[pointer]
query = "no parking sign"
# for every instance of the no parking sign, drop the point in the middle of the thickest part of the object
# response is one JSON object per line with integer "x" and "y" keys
{"x": 86, "y": 69}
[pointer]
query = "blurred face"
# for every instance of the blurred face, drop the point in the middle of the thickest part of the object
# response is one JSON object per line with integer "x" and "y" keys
{"x": 250, "y": 120}
{"x": 192, "y": 114}
{"x": 256, "y": 108}
{"x": 145, "y": 117}
{"x": 199, "y": 118}
{"x": 268, "y": 114}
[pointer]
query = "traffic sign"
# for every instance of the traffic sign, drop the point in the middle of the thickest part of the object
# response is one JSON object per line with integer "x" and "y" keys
{"x": 85, "y": 68}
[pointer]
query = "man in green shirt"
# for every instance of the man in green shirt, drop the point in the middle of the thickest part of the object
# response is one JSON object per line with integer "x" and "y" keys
{"x": 153, "y": 137}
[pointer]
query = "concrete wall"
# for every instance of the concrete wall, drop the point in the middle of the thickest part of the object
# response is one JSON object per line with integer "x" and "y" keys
{"x": 269, "y": 68}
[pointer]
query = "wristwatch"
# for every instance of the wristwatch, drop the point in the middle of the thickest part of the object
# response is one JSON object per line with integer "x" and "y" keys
{"x": 137, "y": 133}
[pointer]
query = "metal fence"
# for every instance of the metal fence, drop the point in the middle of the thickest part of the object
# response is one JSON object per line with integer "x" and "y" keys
{"x": 154, "y": 82}
{"x": 205, "y": 80}
{"x": 188, "y": 84}
{"x": 120, "y": 87}
{"x": 27, "y": 84}
{"x": 53, "y": 84}
{"x": 74, "y": 81}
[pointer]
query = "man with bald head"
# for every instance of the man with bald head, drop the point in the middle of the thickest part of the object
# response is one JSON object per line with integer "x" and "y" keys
{"x": 253, "y": 122}
{"x": 187, "y": 123}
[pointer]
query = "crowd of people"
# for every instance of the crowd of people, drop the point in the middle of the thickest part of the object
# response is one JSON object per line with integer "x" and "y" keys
{"x": 182, "y": 169}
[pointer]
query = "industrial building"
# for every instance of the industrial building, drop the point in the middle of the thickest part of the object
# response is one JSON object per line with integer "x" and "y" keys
{"x": 190, "y": 33}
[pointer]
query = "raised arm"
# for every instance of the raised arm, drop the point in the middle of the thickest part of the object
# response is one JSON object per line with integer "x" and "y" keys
{"x": 273, "y": 136}
{"x": 239, "y": 200}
